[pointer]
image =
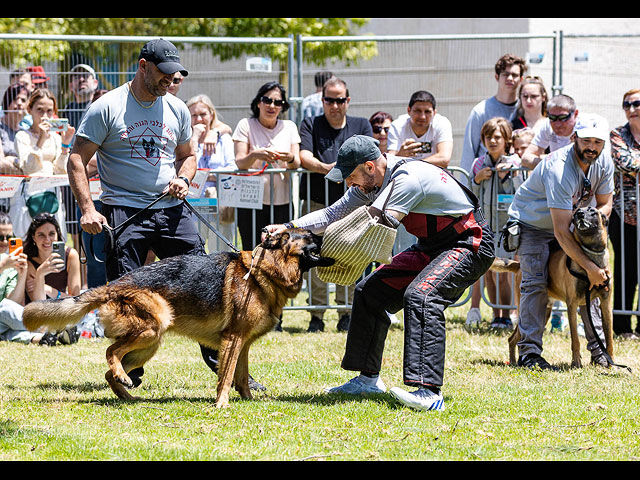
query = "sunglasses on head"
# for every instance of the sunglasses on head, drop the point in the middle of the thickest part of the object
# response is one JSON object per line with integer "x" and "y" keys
{"x": 627, "y": 105}
{"x": 5, "y": 238}
{"x": 331, "y": 100}
{"x": 269, "y": 101}
{"x": 379, "y": 128}
{"x": 559, "y": 118}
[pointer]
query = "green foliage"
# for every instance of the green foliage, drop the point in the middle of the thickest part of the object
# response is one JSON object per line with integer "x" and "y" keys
{"x": 33, "y": 52}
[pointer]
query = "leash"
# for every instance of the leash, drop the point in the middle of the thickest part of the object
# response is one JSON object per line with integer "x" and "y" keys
{"x": 112, "y": 236}
{"x": 587, "y": 295}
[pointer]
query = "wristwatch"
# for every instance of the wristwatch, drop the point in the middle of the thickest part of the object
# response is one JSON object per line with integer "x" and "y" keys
{"x": 186, "y": 180}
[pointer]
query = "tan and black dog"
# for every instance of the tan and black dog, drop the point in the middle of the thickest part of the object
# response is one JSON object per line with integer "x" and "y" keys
{"x": 590, "y": 231}
{"x": 224, "y": 301}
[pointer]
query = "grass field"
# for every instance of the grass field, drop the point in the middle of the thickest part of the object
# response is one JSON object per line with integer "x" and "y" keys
{"x": 55, "y": 404}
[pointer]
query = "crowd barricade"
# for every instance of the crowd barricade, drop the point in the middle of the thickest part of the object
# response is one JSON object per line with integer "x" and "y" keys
{"x": 242, "y": 189}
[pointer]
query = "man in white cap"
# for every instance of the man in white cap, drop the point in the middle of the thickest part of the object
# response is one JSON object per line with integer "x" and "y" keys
{"x": 575, "y": 176}
{"x": 83, "y": 83}
{"x": 454, "y": 249}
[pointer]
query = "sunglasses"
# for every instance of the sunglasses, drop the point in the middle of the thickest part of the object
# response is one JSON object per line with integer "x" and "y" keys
{"x": 269, "y": 101}
{"x": 586, "y": 189}
{"x": 379, "y": 128}
{"x": 627, "y": 105}
{"x": 5, "y": 238}
{"x": 559, "y": 118}
{"x": 331, "y": 100}
{"x": 177, "y": 80}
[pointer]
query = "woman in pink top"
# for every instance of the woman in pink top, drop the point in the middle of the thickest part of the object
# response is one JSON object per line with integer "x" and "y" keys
{"x": 266, "y": 141}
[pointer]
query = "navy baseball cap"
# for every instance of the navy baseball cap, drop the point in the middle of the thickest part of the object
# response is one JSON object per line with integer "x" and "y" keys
{"x": 164, "y": 55}
{"x": 354, "y": 151}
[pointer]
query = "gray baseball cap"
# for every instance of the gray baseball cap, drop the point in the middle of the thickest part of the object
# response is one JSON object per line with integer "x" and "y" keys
{"x": 354, "y": 151}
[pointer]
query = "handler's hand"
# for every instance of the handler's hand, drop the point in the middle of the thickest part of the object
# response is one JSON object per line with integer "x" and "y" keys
{"x": 598, "y": 277}
{"x": 177, "y": 188}
{"x": 92, "y": 221}
{"x": 272, "y": 230}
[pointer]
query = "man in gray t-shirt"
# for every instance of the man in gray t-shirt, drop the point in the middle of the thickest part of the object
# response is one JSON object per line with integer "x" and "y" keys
{"x": 454, "y": 249}
{"x": 578, "y": 175}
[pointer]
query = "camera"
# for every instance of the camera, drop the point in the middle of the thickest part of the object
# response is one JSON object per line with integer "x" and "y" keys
{"x": 425, "y": 147}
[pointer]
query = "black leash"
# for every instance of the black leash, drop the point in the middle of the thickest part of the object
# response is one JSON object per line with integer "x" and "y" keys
{"x": 113, "y": 236}
{"x": 588, "y": 306}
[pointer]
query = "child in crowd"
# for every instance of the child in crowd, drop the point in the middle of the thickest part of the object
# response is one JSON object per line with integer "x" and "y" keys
{"x": 492, "y": 177}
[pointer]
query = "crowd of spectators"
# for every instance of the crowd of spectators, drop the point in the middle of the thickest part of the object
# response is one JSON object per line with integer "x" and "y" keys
{"x": 510, "y": 131}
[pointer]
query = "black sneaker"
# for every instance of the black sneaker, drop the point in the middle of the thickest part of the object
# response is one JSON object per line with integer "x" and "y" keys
{"x": 535, "y": 361}
{"x": 49, "y": 339}
{"x": 343, "y": 323}
{"x": 253, "y": 385}
{"x": 600, "y": 360}
{"x": 69, "y": 336}
{"x": 316, "y": 325}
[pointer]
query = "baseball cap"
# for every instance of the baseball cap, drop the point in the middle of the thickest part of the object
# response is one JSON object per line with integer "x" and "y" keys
{"x": 164, "y": 55}
{"x": 354, "y": 151}
{"x": 588, "y": 126}
{"x": 86, "y": 68}
{"x": 38, "y": 75}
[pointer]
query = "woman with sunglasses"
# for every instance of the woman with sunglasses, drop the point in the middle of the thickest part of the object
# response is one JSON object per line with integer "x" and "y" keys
{"x": 380, "y": 124}
{"x": 531, "y": 108}
{"x": 625, "y": 152}
{"x": 267, "y": 141}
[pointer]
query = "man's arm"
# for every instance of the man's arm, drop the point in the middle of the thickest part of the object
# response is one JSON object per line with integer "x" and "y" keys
{"x": 311, "y": 163}
{"x": 532, "y": 156}
{"x": 561, "y": 223}
{"x": 83, "y": 151}
{"x": 442, "y": 157}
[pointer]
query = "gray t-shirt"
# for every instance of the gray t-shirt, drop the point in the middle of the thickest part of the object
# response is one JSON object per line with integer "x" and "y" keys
{"x": 420, "y": 187}
{"x": 472, "y": 146}
{"x": 136, "y": 154}
{"x": 558, "y": 182}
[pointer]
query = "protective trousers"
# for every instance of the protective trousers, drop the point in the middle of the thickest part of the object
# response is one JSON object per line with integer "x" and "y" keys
{"x": 425, "y": 279}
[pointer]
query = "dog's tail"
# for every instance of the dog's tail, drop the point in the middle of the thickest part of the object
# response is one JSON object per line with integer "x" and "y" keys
{"x": 504, "y": 265}
{"x": 59, "y": 313}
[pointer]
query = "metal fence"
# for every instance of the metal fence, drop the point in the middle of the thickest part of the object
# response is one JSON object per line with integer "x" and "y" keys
{"x": 457, "y": 69}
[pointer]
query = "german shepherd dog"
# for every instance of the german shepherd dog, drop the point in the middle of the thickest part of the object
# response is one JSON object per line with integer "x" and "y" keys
{"x": 590, "y": 231}
{"x": 224, "y": 301}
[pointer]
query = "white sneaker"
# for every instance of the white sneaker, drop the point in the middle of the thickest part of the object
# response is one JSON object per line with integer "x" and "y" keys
{"x": 474, "y": 317}
{"x": 356, "y": 386}
{"x": 421, "y": 399}
{"x": 394, "y": 319}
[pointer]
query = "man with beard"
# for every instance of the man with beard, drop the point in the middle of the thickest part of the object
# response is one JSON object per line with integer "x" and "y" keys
{"x": 575, "y": 176}
{"x": 83, "y": 84}
{"x": 140, "y": 136}
{"x": 454, "y": 248}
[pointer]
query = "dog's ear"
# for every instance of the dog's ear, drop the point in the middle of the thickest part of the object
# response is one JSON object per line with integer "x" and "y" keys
{"x": 605, "y": 220}
{"x": 276, "y": 241}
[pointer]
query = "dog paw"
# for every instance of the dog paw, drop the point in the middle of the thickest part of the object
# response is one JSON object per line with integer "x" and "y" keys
{"x": 124, "y": 380}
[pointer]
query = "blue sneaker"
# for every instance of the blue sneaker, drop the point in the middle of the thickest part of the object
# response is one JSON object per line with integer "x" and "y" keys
{"x": 356, "y": 386}
{"x": 421, "y": 399}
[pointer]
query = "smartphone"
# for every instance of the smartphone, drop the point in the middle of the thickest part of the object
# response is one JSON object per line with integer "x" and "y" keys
{"x": 59, "y": 124}
{"x": 59, "y": 248}
{"x": 425, "y": 147}
{"x": 14, "y": 244}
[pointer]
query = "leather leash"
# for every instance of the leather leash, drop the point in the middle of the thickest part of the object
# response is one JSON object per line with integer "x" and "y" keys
{"x": 587, "y": 295}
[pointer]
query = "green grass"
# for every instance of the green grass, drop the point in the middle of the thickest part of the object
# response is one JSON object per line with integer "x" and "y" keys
{"x": 55, "y": 404}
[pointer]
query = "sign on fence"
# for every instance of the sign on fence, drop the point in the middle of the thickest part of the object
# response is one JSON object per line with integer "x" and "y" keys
{"x": 241, "y": 191}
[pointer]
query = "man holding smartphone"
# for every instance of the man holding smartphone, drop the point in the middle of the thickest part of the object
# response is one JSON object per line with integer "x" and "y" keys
{"x": 422, "y": 133}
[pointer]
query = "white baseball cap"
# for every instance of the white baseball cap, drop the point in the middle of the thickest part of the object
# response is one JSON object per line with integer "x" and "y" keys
{"x": 592, "y": 126}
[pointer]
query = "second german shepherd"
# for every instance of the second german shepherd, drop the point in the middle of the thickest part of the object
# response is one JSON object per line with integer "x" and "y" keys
{"x": 224, "y": 301}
